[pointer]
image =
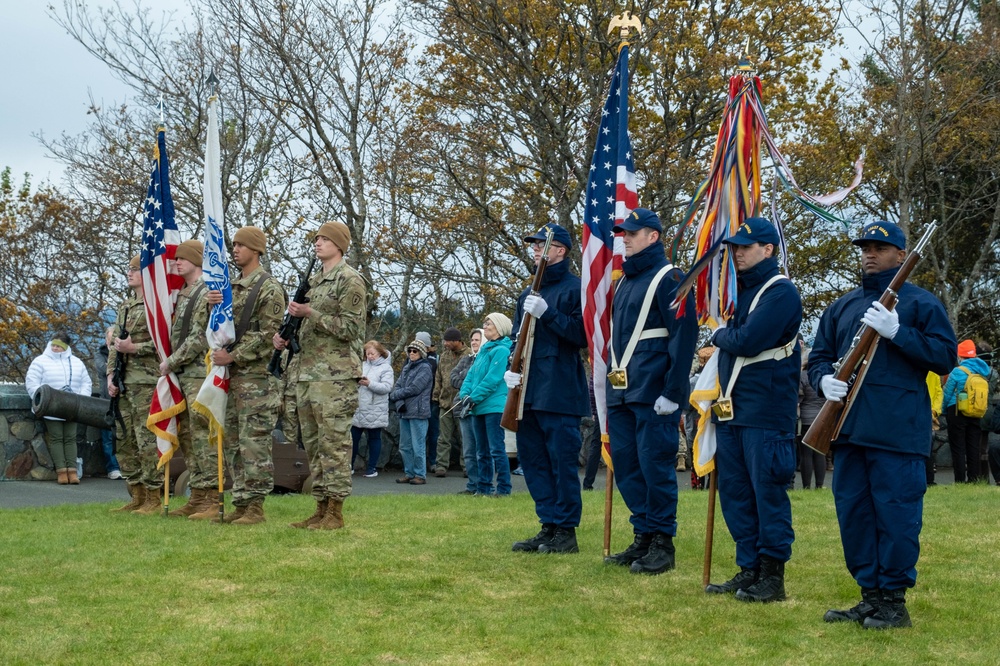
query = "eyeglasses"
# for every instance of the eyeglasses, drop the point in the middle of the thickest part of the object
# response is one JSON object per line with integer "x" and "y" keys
{"x": 487, "y": 324}
{"x": 540, "y": 245}
{"x": 132, "y": 270}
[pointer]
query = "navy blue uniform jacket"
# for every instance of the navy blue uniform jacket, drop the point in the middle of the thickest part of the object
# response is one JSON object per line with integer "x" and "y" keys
{"x": 766, "y": 394}
{"x": 892, "y": 409}
{"x": 556, "y": 379}
{"x": 659, "y": 366}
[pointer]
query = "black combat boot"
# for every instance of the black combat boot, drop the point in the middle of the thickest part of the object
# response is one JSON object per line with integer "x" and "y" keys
{"x": 531, "y": 545}
{"x": 638, "y": 549}
{"x": 770, "y": 586}
{"x": 870, "y": 602}
{"x": 563, "y": 541}
{"x": 659, "y": 557}
{"x": 891, "y": 612}
{"x": 741, "y": 581}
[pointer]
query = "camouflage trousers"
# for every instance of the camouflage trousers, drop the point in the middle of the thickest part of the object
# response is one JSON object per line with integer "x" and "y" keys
{"x": 137, "y": 454}
{"x": 200, "y": 455}
{"x": 289, "y": 409}
{"x": 325, "y": 413}
{"x": 251, "y": 412}
{"x": 450, "y": 440}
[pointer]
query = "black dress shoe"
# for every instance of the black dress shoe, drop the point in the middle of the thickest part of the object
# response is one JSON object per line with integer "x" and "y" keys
{"x": 638, "y": 548}
{"x": 531, "y": 545}
{"x": 562, "y": 541}
{"x": 741, "y": 581}
{"x": 870, "y": 602}
{"x": 659, "y": 557}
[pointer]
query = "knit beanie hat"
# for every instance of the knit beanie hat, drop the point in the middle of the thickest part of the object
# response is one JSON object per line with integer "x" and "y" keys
{"x": 192, "y": 250}
{"x": 425, "y": 338}
{"x": 452, "y": 334}
{"x": 338, "y": 233}
{"x": 419, "y": 346}
{"x": 967, "y": 349}
{"x": 501, "y": 322}
{"x": 251, "y": 237}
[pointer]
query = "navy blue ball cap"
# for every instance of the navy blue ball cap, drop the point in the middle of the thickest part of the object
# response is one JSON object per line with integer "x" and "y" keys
{"x": 640, "y": 218}
{"x": 559, "y": 235}
{"x": 754, "y": 230}
{"x": 882, "y": 232}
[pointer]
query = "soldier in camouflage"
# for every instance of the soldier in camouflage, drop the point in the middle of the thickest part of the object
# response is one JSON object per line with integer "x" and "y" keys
{"x": 252, "y": 409}
{"x": 332, "y": 337}
{"x": 189, "y": 345}
{"x": 137, "y": 453}
{"x": 444, "y": 393}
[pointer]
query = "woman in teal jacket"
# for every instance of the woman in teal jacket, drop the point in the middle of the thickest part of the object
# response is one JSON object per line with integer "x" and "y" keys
{"x": 486, "y": 390}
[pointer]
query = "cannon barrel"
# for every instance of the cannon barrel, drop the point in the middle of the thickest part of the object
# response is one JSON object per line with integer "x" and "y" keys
{"x": 84, "y": 409}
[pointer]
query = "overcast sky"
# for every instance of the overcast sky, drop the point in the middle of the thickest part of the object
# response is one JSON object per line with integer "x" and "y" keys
{"x": 46, "y": 78}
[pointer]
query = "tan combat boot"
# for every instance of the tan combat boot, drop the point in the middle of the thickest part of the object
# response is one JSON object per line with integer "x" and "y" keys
{"x": 238, "y": 512}
{"x": 209, "y": 507}
{"x": 313, "y": 519}
{"x": 137, "y": 492}
{"x": 192, "y": 506}
{"x": 334, "y": 517}
{"x": 253, "y": 514}
{"x": 152, "y": 504}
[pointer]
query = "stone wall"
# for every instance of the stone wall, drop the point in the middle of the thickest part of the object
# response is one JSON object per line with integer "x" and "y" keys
{"x": 23, "y": 453}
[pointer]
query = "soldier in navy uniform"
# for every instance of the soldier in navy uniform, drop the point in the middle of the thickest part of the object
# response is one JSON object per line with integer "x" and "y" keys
{"x": 759, "y": 373}
{"x": 648, "y": 382}
{"x": 879, "y": 456}
{"x": 555, "y": 397}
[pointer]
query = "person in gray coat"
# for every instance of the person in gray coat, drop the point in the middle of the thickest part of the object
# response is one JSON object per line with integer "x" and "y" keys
{"x": 373, "y": 403}
{"x": 412, "y": 399}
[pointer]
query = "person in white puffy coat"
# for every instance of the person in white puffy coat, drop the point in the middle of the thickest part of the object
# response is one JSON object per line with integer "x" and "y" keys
{"x": 59, "y": 368}
{"x": 373, "y": 403}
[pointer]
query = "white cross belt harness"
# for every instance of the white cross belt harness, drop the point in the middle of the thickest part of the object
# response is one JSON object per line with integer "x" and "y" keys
{"x": 619, "y": 374}
{"x": 723, "y": 407}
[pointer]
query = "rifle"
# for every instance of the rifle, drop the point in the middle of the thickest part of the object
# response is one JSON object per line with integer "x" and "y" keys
{"x": 290, "y": 325}
{"x": 521, "y": 358}
{"x": 118, "y": 380}
{"x": 854, "y": 365}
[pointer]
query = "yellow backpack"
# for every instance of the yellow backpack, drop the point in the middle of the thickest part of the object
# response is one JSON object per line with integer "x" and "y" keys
{"x": 974, "y": 399}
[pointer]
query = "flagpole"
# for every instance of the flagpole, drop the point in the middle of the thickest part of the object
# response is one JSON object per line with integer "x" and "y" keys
{"x": 706, "y": 573}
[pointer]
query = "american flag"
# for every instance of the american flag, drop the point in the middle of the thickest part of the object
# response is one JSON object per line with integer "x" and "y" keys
{"x": 160, "y": 286}
{"x": 611, "y": 196}
{"x": 214, "y": 393}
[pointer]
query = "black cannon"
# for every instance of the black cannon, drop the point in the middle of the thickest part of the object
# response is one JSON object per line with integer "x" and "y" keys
{"x": 95, "y": 412}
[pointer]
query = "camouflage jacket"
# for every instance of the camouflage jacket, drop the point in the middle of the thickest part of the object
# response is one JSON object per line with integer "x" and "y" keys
{"x": 444, "y": 392}
{"x": 143, "y": 367}
{"x": 188, "y": 355}
{"x": 253, "y": 351}
{"x": 333, "y": 335}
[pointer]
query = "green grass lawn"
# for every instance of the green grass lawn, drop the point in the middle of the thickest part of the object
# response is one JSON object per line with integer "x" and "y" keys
{"x": 431, "y": 579}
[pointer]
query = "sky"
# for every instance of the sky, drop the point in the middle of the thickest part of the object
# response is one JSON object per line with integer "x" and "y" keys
{"x": 47, "y": 78}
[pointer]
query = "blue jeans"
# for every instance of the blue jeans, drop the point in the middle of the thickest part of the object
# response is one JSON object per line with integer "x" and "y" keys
{"x": 413, "y": 447}
{"x": 492, "y": 455}
{"x": 108, "y": 445}
{"x": 469, "y": 453}
{"x": 374, "y": 446}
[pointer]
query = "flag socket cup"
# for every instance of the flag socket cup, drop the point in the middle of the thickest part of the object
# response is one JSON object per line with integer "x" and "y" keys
{"x": 618, "y": 379}
{"x": 723, "y": 409}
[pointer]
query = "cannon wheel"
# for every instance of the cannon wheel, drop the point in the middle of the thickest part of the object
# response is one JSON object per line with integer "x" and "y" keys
{"x": 181, "y": 484}
{"x": 307, "y": 485}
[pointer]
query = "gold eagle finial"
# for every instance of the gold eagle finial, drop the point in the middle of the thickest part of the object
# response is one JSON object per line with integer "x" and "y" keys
{"x": 625, "y": 23}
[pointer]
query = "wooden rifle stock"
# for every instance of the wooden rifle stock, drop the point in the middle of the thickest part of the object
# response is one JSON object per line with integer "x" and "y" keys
{"x": 853, "y": 366}
{"x": 512, "y": 408}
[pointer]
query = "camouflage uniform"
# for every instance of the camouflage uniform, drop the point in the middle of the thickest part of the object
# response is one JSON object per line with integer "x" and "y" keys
{"x": 332, "y": 338}
{"x": 289, "y": 407}
{"x": 187, "y": 360}
{"x": 137, "y": 453}
{"x": 252, "y": 409}
{"x": 444, "y": 394}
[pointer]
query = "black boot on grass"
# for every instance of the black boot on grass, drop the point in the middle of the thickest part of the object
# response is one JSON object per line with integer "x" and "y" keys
{"x": 659, "y": 557}
{"x": 531, "y": 545}
{"x": 741, "y": 581}
{"x": 870, "y": 602}
{"x": 638, "y": 549}
{"x": 563, "y": 541}
{"x": 891, "y": 613}
{"x": 770, "y": 586}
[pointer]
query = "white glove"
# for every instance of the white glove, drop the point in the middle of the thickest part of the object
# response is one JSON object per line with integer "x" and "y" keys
{"x": 884, "y": 321}
{"x": 513, "y": 379}
{"x": 832, "y": 388}
{"x": 535, "y": 306}
{"x": 664, "y": 406}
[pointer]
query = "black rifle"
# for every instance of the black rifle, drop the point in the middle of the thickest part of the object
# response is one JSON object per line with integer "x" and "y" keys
{"x": 290, "y": 325}
{"x": 118, "y": 380}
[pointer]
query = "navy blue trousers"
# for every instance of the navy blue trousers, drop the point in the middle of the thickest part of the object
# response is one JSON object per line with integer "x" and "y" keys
{"x": 548, "y": 445}
{"x": 880, "y": 504}
{"x": 644, "y": 455}
{"x": 755, "y": 466}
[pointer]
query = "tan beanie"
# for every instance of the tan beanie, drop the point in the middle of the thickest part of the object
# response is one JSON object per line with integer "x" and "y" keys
{"x": 338, "y": 233}
{"x": 192, "y": 250}
{"x": 135, "y": 263}
{"x": 251, "y": 237}
{"x": 501, "y": 322}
